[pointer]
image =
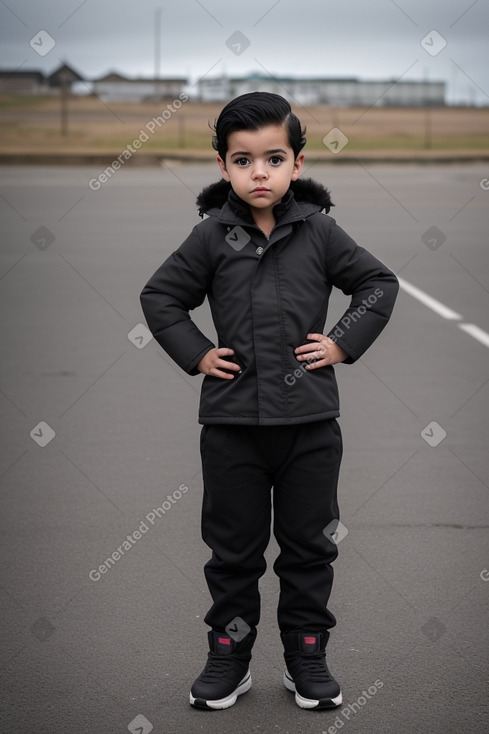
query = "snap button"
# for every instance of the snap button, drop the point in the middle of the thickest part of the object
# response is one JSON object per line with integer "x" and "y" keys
{"x": 259, "y": 250}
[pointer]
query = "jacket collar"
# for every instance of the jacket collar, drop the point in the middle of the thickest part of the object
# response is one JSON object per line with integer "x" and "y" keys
{"x": 304, "y": 198}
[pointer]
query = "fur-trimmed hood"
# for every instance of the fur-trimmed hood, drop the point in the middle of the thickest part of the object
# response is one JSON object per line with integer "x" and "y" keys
{"x": 306, "y": 190}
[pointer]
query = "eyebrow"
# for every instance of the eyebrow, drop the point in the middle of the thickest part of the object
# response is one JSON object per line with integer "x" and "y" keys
{"x": 267, "y": 152}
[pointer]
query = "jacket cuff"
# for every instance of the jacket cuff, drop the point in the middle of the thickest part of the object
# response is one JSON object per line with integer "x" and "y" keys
{"x": 351, "y": 358}
{"x": 185, "y": 344}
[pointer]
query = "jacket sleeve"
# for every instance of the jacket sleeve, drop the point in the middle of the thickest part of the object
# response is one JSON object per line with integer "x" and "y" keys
{"x": 177, "y": 287}
{"x": 372, "y": 286}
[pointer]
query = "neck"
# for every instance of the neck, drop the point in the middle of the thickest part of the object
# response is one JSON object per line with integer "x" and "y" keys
{"x": 266, "y": 223}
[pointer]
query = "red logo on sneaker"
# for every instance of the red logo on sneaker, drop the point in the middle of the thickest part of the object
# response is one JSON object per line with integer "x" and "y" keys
{"x": 225, "y": 640}
{"x": 310, "y": 640}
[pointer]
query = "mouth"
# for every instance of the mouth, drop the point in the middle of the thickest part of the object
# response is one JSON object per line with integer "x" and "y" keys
{"x": 260, "y": 190}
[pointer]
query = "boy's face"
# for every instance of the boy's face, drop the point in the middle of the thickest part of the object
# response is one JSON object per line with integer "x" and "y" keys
{"x": 260, "y": 165}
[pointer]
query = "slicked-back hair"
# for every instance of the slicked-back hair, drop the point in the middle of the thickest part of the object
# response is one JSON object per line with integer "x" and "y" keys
{"x": 253, "y": 111}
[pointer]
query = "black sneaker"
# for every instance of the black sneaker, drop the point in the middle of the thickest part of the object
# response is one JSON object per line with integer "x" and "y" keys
{"x": 226, "y": 674}
{"x": 307, "y": 674}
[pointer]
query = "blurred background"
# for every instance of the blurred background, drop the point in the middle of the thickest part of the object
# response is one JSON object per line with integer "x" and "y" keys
{"x": 397, "y": 78}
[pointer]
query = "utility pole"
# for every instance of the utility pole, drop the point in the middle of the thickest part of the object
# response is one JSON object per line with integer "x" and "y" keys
{"x": 427, "y": 112}
{"x": 64, "y": 101}
{"x": 157, "y": 40}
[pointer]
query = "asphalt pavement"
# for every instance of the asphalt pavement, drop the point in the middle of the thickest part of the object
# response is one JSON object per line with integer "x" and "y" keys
{"x": 103, "y": 594}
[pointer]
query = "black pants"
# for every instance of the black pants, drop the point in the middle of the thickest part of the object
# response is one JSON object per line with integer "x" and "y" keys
{"x": 241, "y": 464}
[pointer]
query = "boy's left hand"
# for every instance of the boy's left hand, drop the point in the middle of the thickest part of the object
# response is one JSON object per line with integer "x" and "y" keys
{"x": 322, "y": 349}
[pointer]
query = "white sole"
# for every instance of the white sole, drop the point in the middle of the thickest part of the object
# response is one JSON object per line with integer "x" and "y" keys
{"x": 308, "y": 703}
{"x": 223, "y": 703}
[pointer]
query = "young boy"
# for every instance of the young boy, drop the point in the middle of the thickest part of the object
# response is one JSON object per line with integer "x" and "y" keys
{"x": 267, "y": 258}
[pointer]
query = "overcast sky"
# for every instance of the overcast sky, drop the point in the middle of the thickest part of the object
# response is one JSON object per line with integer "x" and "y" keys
{"x": 368, "y": 39}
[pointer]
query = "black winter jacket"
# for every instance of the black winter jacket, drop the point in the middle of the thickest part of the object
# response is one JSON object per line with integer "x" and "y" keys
{"x": 266, "y": 295}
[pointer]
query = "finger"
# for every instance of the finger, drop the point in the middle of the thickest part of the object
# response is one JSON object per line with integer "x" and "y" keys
{"x": 222, "y": 375}
{"x": 315, "y": 337}
{"x": 224, "y": 365}
{"x": 316, "y": 351}
{"x": 225, "y": 352}
{"x": 306, "y": 348}
{"x": 316, "y": 365}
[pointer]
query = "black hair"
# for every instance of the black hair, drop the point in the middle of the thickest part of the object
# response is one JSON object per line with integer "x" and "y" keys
{"x": 253, "y": 111}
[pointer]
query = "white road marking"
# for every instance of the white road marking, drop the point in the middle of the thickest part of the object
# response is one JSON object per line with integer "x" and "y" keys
{"x": 432, "y": 303}
{"x": 478, "y": 333}
{"x": 447, "y": 313}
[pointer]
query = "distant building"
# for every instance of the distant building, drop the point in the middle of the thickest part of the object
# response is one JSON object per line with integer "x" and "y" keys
{"x": 114, "y": 87}
{"x": 327, "y": 91}
{"x": 35, "y": 82}
{"x": 348, "y": 92}
{"x": 22, "y": 82}
{"x": 54, "y": 79}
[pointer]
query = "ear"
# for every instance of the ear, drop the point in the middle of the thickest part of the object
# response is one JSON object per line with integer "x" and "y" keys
{"x": 298, "y": 163}
{"x": 222, "y": 166}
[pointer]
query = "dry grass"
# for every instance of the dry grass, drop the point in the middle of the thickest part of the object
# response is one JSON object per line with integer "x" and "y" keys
{"x": 33, "y": 125}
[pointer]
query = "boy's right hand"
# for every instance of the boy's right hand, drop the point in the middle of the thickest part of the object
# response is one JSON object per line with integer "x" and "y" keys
{"x": 213, "y": 363}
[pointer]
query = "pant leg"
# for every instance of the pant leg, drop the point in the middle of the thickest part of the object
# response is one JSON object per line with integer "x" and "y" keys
{"x": 305, "y": 502}
{"x": 236, "y": 518}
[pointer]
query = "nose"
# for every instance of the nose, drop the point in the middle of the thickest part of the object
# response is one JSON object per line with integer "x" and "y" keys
{"x": 259, "y": 170}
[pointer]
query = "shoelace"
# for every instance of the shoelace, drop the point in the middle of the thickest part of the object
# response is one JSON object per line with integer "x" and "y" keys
{"x": 216, "y": 667}
{"x": 316, "y": 668}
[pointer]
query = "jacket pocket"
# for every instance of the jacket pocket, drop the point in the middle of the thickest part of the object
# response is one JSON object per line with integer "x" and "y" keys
{"x": 236, "y": 359}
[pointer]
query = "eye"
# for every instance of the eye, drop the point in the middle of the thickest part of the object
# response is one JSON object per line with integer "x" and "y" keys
{"x": 241, "y": 161}
{"x": 276, "y": 160}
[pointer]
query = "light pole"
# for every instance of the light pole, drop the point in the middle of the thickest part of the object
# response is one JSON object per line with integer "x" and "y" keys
{"x": 64, "y": 101}
{"x": 157, "y": 50}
